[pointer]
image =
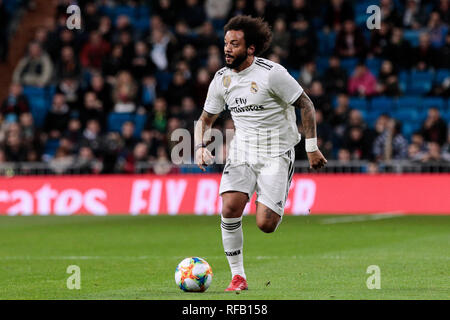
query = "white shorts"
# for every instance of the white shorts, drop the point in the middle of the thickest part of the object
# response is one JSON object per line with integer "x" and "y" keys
{"x": 270, "y": 177}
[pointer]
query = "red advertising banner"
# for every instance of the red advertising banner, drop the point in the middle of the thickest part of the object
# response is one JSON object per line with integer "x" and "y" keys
{"x": 198, "y": 194}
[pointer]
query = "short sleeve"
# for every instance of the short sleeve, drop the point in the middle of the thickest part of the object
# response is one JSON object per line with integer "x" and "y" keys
{"x": 284, "y": 86}
{"x": 214, "y": 103}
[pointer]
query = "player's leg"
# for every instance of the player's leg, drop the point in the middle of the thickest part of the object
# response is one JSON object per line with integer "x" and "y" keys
{"x": 266, "y": 219}
{"x": 233, "y": 204}
{"x": 272, "y": 186}
{"x": 236, "y": 187}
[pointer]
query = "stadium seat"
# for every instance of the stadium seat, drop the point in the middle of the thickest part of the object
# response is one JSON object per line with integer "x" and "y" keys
{"x": 116, "y": 120}
{"x": 326, "y": 42}
{"x": 446, "y": 116}
{"x": 294, "y": 73}
{"x": 143, "y": 12}
{"x": 349, "y": 64}
{"x": 403, "y": 79}
{"x": 406, "y": 115}
{"x": 409, "y": 102}
{"x": 382, "y": 104}
{"x": 371, "y": 117}
{"x": 130, "y": 12}
{"x": 139, "y": 122}
{"x": 142, "y": 24}
{"x": 51, "y": 146}
{"x": 321, "y": 65}
{"x": 430, "y": 102}
{"x": 409, "y": 128}
{"x": 358, "y": 103}
{"x": 441, "y": 74}
{"x": 163, "y": 79}
{"x": 374, "y": 65}
{"x": 412, "y": 36}
{"x": 361, "y": 18}
{"x": 420, "y": 82}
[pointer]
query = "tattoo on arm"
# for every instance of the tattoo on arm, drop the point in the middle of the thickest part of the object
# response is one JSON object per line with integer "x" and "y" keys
{"x": 203, "y": 124}
{"x": 308, "y": 115}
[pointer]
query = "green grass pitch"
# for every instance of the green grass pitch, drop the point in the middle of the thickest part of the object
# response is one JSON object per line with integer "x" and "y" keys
{"x": 308, "y": 257}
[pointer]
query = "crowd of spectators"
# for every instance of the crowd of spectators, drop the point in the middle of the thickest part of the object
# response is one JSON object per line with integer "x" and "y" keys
{"x": 156, "y": 64}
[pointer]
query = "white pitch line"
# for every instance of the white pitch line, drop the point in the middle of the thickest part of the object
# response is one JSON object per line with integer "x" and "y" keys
{"x": 128, "y": 257}
{"x": 371, "y": 217}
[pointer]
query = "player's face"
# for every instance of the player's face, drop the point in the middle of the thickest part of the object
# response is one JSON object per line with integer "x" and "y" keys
{"x": 235, "y": 49}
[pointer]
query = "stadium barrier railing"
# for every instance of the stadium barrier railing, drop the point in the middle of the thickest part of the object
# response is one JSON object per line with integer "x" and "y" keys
{"x": 301, "y": 166}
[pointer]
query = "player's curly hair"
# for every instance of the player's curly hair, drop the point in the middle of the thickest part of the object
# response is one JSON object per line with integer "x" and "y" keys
{"x": 256, "y": 31}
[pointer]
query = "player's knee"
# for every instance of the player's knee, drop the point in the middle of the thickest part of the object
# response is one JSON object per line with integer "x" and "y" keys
{"x": 267, "y": 226}
{"x": 231, "y": 210}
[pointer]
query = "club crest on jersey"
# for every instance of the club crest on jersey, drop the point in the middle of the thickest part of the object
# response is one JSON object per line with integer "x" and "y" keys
{"x": 253, "y": 87}
{"x": 226, "y": 81}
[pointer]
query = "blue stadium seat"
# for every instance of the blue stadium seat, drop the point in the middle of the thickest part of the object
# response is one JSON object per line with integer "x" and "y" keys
{"x": 326, "y": 42}
{"x": 374, "y": 65}
{"x": 433, "y": 102}
{"x": 382, "y": 104}
{"x": 129, "y": 11}
{"x": 142, "y": 24}
{"x": 409, "y": 102}
{"x": 409, "y": 128}
{"x": 116, "y": 120}
{"x": 360, "y": 8}
{"x": 358, "y": 103}
{"x": 139, "y": 122}
{"x": 441, "y": 74}
{"x": 407, "y": 115}
{"x": 371, "y": 117}
{"x": 143, "y": 12}
{"x": 51, "y": 146}
{"x": 349, "y": 64}
{"x": 163, "y": 79}
{"x": 403, "y": 79}
{"x": 322, "y": 65}
{"x": 294, "y": 73}
{"x": 446, "y": 116}
{"x": 361, "y": 18}
{"x": 420, "y": 82}
{"x": 412, "y": 36}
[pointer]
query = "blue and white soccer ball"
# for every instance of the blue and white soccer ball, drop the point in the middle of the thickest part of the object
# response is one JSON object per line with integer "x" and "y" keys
{"x": 193, "y": 275}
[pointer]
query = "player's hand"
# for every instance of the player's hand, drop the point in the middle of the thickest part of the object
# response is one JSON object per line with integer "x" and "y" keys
{"x": 203, "y": 158}
{"x": 316, "y": 159}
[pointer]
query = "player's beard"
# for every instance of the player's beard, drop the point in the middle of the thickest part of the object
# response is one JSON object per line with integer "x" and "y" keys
{"x": 237, "y": 61}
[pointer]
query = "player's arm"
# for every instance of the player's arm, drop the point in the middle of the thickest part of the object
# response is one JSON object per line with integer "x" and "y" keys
{"x": 315, "y": 157}
{"x": 204, "y": 123}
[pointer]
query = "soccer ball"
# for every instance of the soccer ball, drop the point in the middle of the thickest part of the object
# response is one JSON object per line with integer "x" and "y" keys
{"x": 193, "y": 275}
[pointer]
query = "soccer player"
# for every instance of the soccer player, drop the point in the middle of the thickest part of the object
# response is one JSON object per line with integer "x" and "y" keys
{"x": 261, "y": 96}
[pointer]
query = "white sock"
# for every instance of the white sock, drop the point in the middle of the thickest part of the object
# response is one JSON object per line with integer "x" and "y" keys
{"x": 233, "y": 242}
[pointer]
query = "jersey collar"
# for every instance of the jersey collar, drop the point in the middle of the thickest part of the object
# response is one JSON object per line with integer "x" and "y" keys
{"x": 246, "y": 70}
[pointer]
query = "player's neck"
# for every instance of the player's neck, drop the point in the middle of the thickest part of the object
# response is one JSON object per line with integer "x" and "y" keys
{"x": 244, "y": 65}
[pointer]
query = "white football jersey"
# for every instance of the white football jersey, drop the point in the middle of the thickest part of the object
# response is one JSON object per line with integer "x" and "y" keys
{"x": 260, "y": 100}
